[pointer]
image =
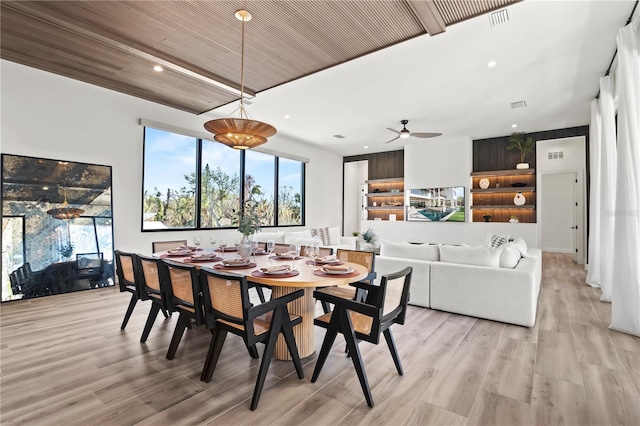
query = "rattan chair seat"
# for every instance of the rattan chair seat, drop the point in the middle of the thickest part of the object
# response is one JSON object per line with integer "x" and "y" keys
{"x": 261, "y": 324}
{"x": 361, "y": 323}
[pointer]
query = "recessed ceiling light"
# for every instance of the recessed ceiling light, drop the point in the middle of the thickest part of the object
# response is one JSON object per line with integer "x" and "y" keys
{"x": 514, "y": 125}
{"x": 491, "y": 64}
{"x": 158, "y": 68}
{"x": 287, "y": 116}
{"x": 366, "y": 147}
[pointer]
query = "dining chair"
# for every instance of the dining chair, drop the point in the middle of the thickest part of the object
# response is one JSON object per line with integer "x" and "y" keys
{"x": 147, "y": 273}
{"x": 384, "y": 306}
{"x": 228, "y": 310}
{"x": 183, "y": 296}
{"x": 127, "y": 281}
{"x": 364, "y": 258}
{"x": 325, "y": 251}
{"x": 157, "y": 246}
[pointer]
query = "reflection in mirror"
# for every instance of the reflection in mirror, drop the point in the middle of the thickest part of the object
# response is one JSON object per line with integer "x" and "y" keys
{"x": 57, "y": 233}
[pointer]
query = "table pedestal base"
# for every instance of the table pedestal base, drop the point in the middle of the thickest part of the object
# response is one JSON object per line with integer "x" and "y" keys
{"x": 304, "y": 333}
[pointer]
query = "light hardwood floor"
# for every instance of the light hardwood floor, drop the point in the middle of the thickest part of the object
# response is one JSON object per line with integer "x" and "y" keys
{"x": 64, "y": 361}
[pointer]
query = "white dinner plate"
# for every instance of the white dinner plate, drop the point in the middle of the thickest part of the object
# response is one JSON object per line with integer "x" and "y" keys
{"x": 328, "y": 271}
{"x": 285, "y": 271}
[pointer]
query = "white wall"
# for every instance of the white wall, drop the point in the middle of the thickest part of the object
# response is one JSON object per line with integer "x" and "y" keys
{"x": 445, "y": 162}
{"x": 575, "y": 160}
{"x": 49, "y": 116}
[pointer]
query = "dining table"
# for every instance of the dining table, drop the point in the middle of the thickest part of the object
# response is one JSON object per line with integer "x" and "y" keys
{"x": 308, "y": 278}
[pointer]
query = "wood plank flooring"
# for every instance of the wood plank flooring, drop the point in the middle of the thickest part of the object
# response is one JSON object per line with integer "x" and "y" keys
{"x": 64, "y": 361}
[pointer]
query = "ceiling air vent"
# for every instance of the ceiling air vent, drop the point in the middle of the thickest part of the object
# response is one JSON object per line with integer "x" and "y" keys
{"x": 518, "y": 104}
{"x": 499, "y": 17}
{"x": 339, "y": 136}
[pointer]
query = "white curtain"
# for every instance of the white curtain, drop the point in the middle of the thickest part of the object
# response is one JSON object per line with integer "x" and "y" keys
{"x": 595, "y": 148}
{"x": 608, "y": 186}
{"x": 625, "y": 308}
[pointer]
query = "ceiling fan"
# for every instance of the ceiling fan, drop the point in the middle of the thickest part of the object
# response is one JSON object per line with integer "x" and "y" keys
{"x": 405, "y": 133}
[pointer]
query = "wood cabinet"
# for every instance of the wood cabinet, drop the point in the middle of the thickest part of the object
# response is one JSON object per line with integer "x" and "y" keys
{"x": 497, "y": 200}
{"x": 385, "y": 197}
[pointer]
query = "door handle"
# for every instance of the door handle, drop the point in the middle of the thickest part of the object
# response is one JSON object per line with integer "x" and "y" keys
{"x": 574, "y": 227}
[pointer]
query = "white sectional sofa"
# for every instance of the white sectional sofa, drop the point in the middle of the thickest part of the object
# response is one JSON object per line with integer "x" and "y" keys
{"x": 332, "y": 236}
{"x": 458, "y": 285}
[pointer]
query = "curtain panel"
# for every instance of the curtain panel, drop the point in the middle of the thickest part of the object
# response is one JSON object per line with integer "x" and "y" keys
{"x": 595, "y": 149}
{"x": 625, "y": 308}
{"x": 608, "y": 186}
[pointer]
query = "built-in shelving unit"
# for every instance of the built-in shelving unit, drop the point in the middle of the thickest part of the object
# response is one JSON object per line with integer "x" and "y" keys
{"x": 385, "y": 197}
{"x": 495, "y": 203}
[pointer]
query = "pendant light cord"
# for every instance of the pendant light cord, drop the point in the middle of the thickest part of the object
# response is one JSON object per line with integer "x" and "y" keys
{"x": 242, "y": 113}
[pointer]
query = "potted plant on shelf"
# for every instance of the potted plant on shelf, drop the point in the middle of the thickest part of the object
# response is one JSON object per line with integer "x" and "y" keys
{"x": 523, "y": 143}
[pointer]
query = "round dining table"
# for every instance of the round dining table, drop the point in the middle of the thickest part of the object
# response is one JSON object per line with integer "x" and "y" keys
{"x": 307, "y": 279}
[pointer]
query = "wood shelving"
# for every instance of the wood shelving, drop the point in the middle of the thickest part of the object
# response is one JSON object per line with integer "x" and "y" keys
{"x": 384, "y": 197}
{"x": 497, "y": 200}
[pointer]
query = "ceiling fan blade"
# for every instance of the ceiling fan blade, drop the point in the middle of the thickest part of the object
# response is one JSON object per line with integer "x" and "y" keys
{"x": 425, "y": 135}
{"x": 394, "y": 131}
{"x": 397, "y": 137}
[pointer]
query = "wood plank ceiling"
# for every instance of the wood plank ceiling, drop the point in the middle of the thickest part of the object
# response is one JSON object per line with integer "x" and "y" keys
{"x": 115, "y": 44}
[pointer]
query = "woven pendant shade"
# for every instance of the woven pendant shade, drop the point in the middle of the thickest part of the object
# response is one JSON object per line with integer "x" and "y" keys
{"x": 64, "y": 212}
{"x": 240, "y": 133}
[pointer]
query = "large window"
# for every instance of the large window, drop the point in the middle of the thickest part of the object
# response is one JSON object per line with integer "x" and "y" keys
{"x": 290, "y": 185}
{"x": 192, "y": 183}
{"x": 169, "y": 180}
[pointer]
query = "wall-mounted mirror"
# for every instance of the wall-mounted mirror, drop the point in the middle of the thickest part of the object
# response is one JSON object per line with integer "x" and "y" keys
{"x": 57, "y": 233}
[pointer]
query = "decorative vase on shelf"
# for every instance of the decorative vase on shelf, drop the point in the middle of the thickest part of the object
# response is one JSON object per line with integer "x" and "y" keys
{"x": 487, "y": 217}
{"x": 519, "y": 199}
{"x": 484, "y": 183}
{"x": 521, "y": 166}
{"x": 244, "y": 248}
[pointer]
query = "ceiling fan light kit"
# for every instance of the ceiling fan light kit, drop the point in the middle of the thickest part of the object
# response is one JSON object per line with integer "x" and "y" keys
{"x": 405, "y": 133}
{"x": 240, "y": 133}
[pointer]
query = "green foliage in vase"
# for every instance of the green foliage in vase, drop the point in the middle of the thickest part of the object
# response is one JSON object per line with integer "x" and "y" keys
{"x": 248, "y": 219}
{"x": 521, "y": 142}
{"x": 369, "y": 236}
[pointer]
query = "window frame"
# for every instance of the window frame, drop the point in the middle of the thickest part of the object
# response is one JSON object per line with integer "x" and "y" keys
{"x": 197, "y": 200}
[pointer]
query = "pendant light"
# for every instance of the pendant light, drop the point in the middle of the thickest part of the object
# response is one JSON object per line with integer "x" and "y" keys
{"x": 240, "y": 133}
{"x": 64, "y": 212}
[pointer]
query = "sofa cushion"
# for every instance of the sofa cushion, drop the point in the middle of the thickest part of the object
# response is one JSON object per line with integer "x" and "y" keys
{"x": 480, "y": 256}
{"x": 263, "y": 237}
{"x": 299, "y": 234}
{"x": 496, "y": 241}
{"x": 323, "y": 234}
{"x": 301, "y": 241}
{"x": 509, "y": 256}
{"x": 334, "y": 235}
{"x": 410, "y": 251}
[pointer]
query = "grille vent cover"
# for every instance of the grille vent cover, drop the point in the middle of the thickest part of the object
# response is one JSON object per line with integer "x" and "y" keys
{"x": 519, "y": 104}
{"x": 499, "y": 17}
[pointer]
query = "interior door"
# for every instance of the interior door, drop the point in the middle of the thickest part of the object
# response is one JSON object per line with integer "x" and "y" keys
{"x": 560, "y": 213}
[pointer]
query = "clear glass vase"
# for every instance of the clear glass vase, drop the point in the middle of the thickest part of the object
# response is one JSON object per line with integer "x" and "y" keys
{"x": 244, "y": 248}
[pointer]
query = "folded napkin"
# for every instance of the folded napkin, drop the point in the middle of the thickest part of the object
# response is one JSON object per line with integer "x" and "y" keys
{"x": 276, "y": 268}
{"x": 179, "y": 251}
{"x": 236, "y": 262}
{"x": 337, "y": 268}
{"x": 192, "y": 248}
{"x": 328, "y": 258}
{"x": 203, "y": 256}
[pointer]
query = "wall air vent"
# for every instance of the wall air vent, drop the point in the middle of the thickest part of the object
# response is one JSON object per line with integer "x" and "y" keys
{"x": 339, "y": 136}
{"x": 518, "y": 104}
{"x": 499, "y": 17}
{"x": 556, "y": 155}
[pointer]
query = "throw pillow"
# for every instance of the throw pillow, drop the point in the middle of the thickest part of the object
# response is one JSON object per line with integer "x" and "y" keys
{"x": 496, "y": 241}
{"x": 510, "y": 256}
{"x": 323, "y": 234}
{"x": 521, "y": 244}
{"x": 335, "y": 236}
{"x": 479, "y": 256}
{"x": 409, "y": 251}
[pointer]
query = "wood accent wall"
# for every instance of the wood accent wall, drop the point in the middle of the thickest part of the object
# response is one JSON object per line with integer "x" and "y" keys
{"x": 382, "y": 165}
{"x": 491, "y": 154}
